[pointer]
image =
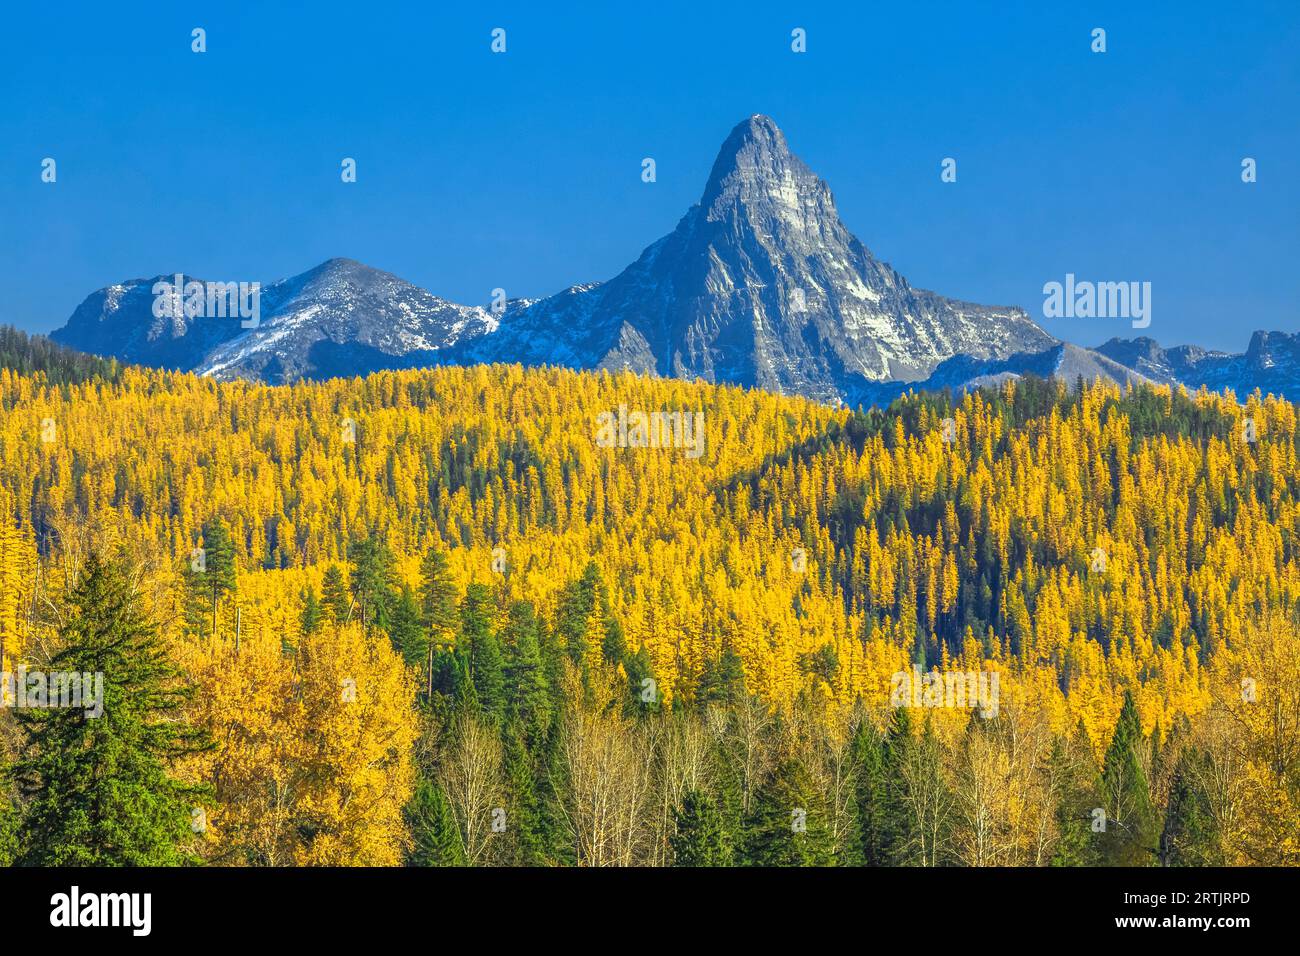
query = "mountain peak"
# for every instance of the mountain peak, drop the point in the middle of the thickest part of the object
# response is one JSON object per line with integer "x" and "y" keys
{"x": 754, "y": 162}
{"x": 339, "y": 265}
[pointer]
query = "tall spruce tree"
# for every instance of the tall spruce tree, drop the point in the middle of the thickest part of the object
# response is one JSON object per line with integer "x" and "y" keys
{"x": 486, "y": 666}
{"x": 98, "y": 782}
{"x": 727, "y": 788}
{"x": 722, "y": 681}
{"x": 406, "y": 632}
{"x": 209, "y": 577}
{"x": 895, "y": 832}
{"x": 871, "y": 795}
{"x": 788, "y": 824}
{"x": 334, "y": 594}
{"x": 438, "y": 608}
{"x": 1190, "y": 836}
{"x": 219, "y": 557}
{"x": 699, "y": 838}
{"x": 1131, "y": 823}
{"x": 526, "y": 680}
{"x": 1075, "y": 791}
{"x": 313, "y": 613}
{"x": 373, "y": 579}
{"x": 527, "y": 823}
{"x": 435, "y": 837}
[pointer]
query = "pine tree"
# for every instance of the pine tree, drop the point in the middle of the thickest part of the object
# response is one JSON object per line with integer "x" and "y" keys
{"x": 372, "y": 578}
{"x": 699, "y": 838}
{"x": 526, "y": 679}
{"x": 788, "y": 824}
{"x": 583, "y": 619}
{"x": 435, "y": 836}
{"x": 405, "y": 629}
{"x": 313, "y": 614}
{"x": 1190, "y": 836}
{"x": 1131, "y": 824}
{"x": 334, "y": 594}
{"x": 99, "y": 785}
{"x": 213, "y": 578}
{"x": 1073, "y": 776}
{"x": 527, "y": 843}
{"x": 727, "y": 791}
{"x": 894, "y": 831}
{"x": 438, "y": 610}
{"x": 722, "y": 681}
{"x": 871, "y": 793}
{"x": 486, "y": 667}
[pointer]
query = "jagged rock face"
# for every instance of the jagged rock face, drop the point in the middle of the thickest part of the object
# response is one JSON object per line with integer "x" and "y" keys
{"x": 119, "y": 321}
{"x": 340, "y": 318}
{"x": 761, "y": 284}
{"x": 1271, "y": 363}
{"x": 315, "y": 323}
{"x": 1172, "y": 366}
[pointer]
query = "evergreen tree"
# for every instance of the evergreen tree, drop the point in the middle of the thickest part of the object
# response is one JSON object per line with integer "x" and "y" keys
{"x": 698, "y": 838}
{"x": 405, "y": 629}
{"x": 1190, "y": 836}
{"x": 893, "y": 830}
{"x": 212, "y": 579}
{"x": 788, "y": 824}
{"x": 486, "y": 666}
{"x": 435, "y": 836}
{"x": 97, "y": 778}
{"x": 727, "y": 788}
{"x": 1131, "y": 824}
{"x": 526, "y": 680}
{"x": 313, "y": 614}
{"x": 643, "y": 695}
{"x": 527, "y": 828}
{"x": 334, "y": 594}
{"x": 1073, "y": 776}
{"x": 438, "y": 611}
{"x": 583, "y": 618}
{"x": 372, "y": 578}
{"x": 871, "y": 795}
{"x": 722, "y": 681}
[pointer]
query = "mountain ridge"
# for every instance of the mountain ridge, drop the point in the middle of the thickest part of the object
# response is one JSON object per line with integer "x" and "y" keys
{"x": 760, "y": 284}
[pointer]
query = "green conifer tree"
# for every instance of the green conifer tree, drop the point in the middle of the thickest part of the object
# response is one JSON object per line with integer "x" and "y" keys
{"x": 486, "y": 665}
{"x": 788, "y": 825}
{"x": 97, "y": 778}
{"x": 699, "y": 838}
{"x": 334, "y": 594}
{"x": 1131, "y": 823}
{"x": 1190, "y": 836}
{"x": 435, "y": 837}
{"x": 526, "y": 679}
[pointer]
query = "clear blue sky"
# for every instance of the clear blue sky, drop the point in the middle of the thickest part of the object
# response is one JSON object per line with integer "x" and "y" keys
{"x": 522, "y": 170}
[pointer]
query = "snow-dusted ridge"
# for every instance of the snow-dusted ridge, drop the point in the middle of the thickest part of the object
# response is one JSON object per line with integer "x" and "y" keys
{"x": 760, "y": 284}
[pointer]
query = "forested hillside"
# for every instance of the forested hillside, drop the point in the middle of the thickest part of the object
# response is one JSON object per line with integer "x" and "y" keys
{"x": 434, "y": 617}
{"x": 30, "y": 354}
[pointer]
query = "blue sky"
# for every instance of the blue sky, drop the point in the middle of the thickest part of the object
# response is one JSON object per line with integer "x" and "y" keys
{"x": 522, "y": 170}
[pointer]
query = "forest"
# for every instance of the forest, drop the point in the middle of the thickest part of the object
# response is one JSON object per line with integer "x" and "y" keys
{"x": 430, "y": 618}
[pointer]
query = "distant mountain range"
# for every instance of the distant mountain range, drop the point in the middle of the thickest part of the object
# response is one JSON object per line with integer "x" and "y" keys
{"x": 760, "y": 284}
